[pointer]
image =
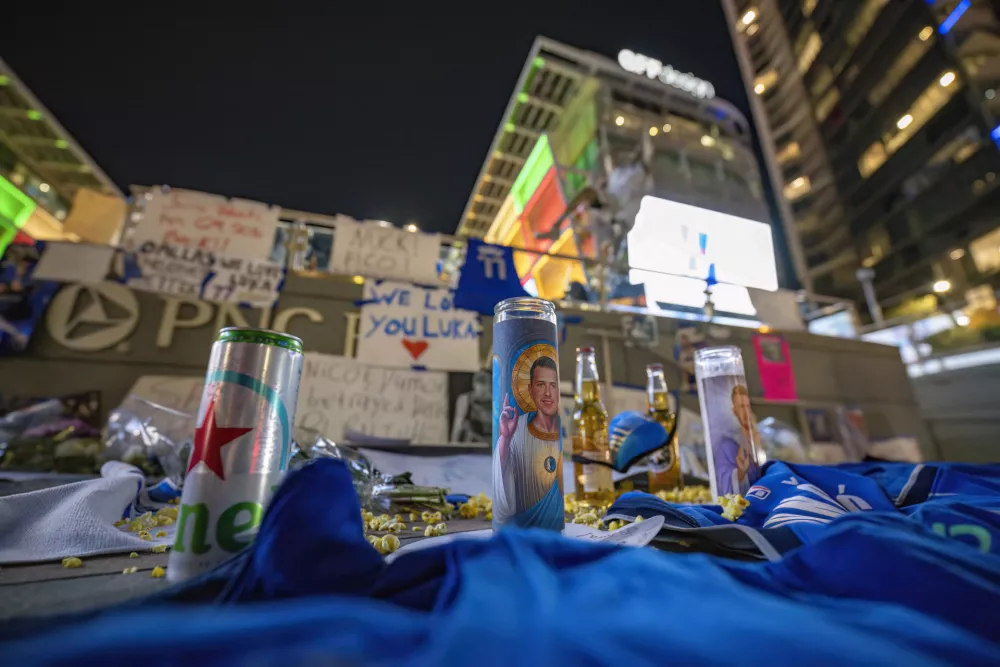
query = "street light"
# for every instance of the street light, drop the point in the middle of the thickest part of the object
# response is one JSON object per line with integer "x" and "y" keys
{"x": 942, "y": 286}
{"x": 410, "y": 227}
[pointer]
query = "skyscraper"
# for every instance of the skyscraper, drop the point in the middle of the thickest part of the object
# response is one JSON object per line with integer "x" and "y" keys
{"x": 573, "y": 118}
{"x": 878, "y": 119}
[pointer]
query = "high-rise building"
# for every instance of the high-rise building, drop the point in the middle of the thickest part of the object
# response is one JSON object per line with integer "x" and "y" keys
{"x": 42, "y": 169}
{"x": 876, "y": 116}
{"x": 574, "y": 117}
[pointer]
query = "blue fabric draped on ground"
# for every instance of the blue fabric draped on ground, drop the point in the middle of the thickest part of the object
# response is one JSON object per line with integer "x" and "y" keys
{"x": 893, "y": 585}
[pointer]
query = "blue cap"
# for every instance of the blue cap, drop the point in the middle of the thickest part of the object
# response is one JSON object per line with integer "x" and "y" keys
{"x": 632, "y": 436}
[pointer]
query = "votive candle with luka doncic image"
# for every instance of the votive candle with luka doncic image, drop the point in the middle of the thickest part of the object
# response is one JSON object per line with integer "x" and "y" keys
{"x": 242, "y": 445}
{"x": 527, "y": 434}
{"x": 731, "y": 436}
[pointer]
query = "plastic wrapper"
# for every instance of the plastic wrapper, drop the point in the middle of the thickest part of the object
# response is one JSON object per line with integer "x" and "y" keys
{"x": 781, "y": 441}
{"x": 42, "y": 438}
{"x": 377, "y": 492}
{"x": 154, "y": 438}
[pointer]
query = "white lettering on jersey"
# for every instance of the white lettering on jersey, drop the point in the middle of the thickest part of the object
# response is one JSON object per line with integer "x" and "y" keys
{"x": 814, "y": 505}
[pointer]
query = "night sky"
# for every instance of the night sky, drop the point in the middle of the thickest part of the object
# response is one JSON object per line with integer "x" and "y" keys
{"x": 385, "y": 115}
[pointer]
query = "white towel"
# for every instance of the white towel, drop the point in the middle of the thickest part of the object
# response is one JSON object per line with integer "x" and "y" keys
{"x": 78, "y": 519}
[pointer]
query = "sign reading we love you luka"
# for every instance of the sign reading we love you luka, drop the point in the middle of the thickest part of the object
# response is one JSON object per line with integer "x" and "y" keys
{"x": 406, "y": 326}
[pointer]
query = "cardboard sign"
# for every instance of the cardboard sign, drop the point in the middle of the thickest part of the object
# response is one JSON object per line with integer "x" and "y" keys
{"x": 200, "y": 221}
{"x": 178, "y": 392}
{"x": 403, "y": 326}
{"x": 254, "y": 282}
{"x": 373, "y": 251}
{"x": 338, "y": 394}
{"x": 198, "y": 274}
{"x": 74, "y": 263}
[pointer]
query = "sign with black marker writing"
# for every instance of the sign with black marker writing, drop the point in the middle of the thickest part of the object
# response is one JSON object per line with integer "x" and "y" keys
{"x": 403, "y": 326}
{"x": 372, "y": 250}
{"x": 211, "y": 223}
{"x": 338, "y": 394}
{"x": 201, "y": 274}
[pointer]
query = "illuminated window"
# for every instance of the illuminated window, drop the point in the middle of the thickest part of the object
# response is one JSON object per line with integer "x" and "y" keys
{"x": 825, "y": 105}
{"x": 902, "y": 64}
{"x": 765, "y": 81}
{"x": 926, "y": 33}
{"x": 922, "y": 110}
{"x": 985, "y": 252}
{"x": 878, "y": 243}
{"x": 798, "y": 188}
{"x": 788, "y": 153}
{"x": 749, "y": 17}
{"x": 809, "y": 52}
{"x": 863, "y": 21}
{"x": 872, "y": 159}
{"x": 807, "y": 7}
{"x": 821, "y": 80}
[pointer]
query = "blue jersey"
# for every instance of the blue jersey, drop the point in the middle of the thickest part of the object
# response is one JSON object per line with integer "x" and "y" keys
{"x": 859, "y": 579}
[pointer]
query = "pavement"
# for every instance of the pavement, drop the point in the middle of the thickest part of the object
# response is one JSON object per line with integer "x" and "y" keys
{"x": 43, "y": 589}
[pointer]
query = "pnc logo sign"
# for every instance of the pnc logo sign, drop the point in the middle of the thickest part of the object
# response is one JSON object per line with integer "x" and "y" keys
{"x": 92, "y": 317}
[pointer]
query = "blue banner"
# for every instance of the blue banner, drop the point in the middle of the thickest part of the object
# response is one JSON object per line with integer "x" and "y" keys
{"x": 488, "y": 277}
{"x": 22, "y": 298}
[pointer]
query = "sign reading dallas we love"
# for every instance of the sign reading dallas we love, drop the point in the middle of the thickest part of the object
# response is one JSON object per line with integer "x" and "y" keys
{"x": 204, "y": 275}
{"x": 403, "y": 326}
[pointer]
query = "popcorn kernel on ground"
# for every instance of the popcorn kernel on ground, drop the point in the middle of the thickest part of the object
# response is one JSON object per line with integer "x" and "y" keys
{"x": 389, "y": 543}
{"x": 130, "y": 570}
{"x": 72, "y": 561}
{"x": 133, "y": 555}
{"x": 161, "y": 533}
{"x": 157, "y": 572}
{"x": 158, "y": 548}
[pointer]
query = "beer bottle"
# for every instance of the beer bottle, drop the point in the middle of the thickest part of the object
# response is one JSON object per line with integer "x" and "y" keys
{"x": 664, "y": 464}
{"x": 592, "y": 482}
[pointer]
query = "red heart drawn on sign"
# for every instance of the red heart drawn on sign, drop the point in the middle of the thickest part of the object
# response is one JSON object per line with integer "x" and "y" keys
{"x": 416, "y": 348}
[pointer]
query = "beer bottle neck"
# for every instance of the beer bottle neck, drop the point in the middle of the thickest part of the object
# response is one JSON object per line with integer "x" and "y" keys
{"x": 656, "y": 390}
{"x": 588, "y": 386}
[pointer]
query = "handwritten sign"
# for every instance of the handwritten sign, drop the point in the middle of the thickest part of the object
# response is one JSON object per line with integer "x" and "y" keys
{"x": 338, "y": 394}
{"x": 371, "y": 250}
{"x": 403, "y": 326}
{"x": 254, "y": 282}
{"x": 200, "y": 221}
{"x": 168, "y": 269}
{"x": 171, "y": 391}
{"x": 200, "y": 274}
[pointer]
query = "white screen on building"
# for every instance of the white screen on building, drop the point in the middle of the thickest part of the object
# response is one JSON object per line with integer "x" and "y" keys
{"x": 684, "y": 240}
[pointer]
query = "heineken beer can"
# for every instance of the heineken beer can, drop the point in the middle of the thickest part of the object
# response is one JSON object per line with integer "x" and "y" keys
{"x": 527, "y": 433}
{"x": 242, "y": 445}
